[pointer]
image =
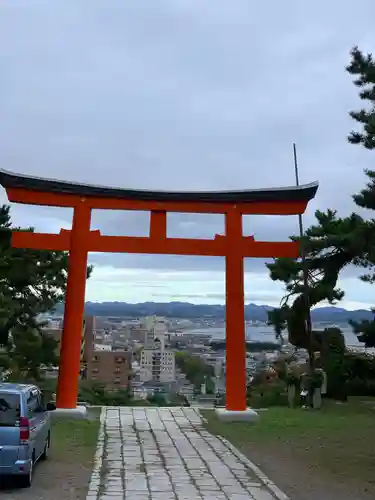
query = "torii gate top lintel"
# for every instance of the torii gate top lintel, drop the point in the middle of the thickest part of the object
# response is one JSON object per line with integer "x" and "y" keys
{"x": 290, "y": 200}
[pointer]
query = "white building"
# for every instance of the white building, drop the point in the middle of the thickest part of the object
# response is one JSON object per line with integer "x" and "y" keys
{"x": 156, "y": 329}
{"x": 102, "y": 347}
{"x": 157, "y": 364}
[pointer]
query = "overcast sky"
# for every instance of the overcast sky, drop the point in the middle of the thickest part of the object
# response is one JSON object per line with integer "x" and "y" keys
{"x": 189, "y": 95}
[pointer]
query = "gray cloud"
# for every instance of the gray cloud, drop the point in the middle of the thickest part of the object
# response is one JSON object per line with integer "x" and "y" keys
{"x": 181, "y": 95}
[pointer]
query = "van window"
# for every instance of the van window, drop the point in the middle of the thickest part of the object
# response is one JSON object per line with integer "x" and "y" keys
{"x": 33, "y": 402}
{"x": 10, "y": 409}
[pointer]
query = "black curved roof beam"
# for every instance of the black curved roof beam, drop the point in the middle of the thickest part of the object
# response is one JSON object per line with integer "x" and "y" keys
{"x": 305, "y": 192}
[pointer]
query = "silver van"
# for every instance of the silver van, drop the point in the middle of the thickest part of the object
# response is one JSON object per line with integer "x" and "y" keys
{"x": 25, "y": 430}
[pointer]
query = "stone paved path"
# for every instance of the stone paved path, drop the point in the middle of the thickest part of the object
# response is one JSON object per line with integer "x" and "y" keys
{"x": 165, "y": 454}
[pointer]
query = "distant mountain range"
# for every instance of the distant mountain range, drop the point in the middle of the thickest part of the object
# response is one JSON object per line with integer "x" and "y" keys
{"x": 253, "y": 312}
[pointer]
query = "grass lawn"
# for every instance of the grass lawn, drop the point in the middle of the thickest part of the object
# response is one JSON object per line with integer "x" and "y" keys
{"x": 75, "y": 440}
{"x": 336, "y": 442}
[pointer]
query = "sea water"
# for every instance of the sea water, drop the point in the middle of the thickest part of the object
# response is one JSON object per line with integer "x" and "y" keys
{"x": 265, "y": 333}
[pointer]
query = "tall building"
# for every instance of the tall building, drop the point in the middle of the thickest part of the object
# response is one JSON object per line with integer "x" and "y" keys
{"x": 157, "y": 364}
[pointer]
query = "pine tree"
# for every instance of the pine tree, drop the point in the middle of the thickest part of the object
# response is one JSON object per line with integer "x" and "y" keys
{"x": 330, "y": 245}
{"x": 362, "y": 66}
{"x": 334, "y": 242}
{"x": 31, "y": 282}
{"x": 278, "y": 319}
{"x": 365, "y": 331}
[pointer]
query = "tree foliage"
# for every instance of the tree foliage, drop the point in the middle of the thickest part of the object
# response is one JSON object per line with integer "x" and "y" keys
{"x": 361, "y": 374}
{"x": 157, "y": 399}
{"x": 278, "y": 318}
{"x": 30, "y": 349}
{"x": 330, "y": 245}
{"x": 334, "y": 242}
{"x": 365, "y": 331}
{"x": 32, "y": 282}
{"x": 96, "y": 394}
{"x": 195, "y": 369}
{"x": 333, "y": 362}
{"x": 362, "y": 66}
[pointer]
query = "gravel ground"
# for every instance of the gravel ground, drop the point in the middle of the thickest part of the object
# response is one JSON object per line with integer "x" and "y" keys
{"x": 53, "y": 480}
{"x": 66, "y": 473}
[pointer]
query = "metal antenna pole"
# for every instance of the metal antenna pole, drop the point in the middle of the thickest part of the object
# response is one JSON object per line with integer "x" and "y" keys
{"x": 305, "y": 272}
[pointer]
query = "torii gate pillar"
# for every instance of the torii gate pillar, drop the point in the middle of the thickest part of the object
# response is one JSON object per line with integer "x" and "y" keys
{"x": 70, "y": 361}
{"x": 235, "y": 316}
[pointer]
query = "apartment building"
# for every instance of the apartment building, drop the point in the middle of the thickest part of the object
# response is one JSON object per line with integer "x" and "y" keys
{"x": 157, "y": 364}
{"x": 110, "y": 368}
{"x": 102, "y": 364}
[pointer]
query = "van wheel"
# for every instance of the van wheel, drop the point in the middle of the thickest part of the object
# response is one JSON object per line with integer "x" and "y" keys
{"x": 27, "y": 479}
{"x": 47, "y": 445}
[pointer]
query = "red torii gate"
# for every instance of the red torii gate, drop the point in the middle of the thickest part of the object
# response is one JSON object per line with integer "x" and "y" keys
{"x": 81, "y": 239}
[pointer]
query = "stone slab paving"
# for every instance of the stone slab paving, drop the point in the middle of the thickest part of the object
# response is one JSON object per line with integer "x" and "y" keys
{"x": 166, "y": 454}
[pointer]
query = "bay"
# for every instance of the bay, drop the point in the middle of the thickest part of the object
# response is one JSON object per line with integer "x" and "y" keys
{"x": 265, "y": 333}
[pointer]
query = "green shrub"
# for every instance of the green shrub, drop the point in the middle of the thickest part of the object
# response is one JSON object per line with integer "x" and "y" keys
{"x": 360, "y": 365}
{"x": 96, "y": 394}
{"x": 334, "y": 364}
{"x": 157, "y": 399}
{"x": 195, "y": 368}
{"x": 360, "y": 387}
{"x": 271, "y": 394}
{"x": 360, "y": 368}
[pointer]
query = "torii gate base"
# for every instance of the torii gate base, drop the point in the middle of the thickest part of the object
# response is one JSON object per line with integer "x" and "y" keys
{"x": 247, "y": 415}
{"x": 81, "y": 240}
{"x": 77, "y": 413}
